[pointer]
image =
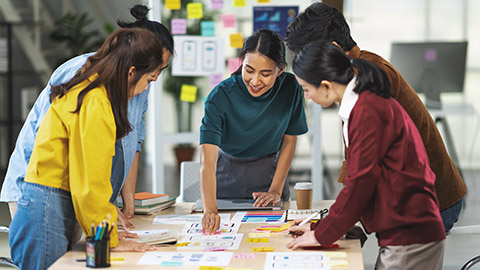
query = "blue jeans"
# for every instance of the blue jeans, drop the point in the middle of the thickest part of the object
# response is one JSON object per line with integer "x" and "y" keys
{"x": 41, "y": 230}
{"x": 451, "y": 215}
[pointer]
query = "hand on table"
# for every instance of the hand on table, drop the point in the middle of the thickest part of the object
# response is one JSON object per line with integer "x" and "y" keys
{"x": 126, "y": 234}
{"x": 128, "y": 211}
{"x": 306, "y": 240}
{"x": 210, "y": 222}
{"x": 264, "y": 198}
{"x": 129, "y": 245}
{"x": 123, "y": 220}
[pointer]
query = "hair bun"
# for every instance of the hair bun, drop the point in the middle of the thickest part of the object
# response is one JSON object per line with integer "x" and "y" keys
{"x": 139, "y": 12}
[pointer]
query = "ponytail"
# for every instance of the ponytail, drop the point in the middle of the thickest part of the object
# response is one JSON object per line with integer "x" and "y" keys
{"x": 371, "y": 78}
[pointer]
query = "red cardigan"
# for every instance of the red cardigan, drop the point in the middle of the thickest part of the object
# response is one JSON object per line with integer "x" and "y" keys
{"x": 389, "y": 185}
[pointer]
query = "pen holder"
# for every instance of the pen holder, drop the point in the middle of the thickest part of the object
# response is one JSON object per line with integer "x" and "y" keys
{"x": 98, "y": 252}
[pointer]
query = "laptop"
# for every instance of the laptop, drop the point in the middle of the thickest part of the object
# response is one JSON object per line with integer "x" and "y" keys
{"x": 237, "y": 204}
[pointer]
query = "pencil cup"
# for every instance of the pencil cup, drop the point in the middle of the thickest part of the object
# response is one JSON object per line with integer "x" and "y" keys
{"x": 98, "y": 252}
{"x": 304, "y": 193}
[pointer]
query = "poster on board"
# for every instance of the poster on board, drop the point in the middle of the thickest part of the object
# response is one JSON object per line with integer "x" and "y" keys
{"x": 198, "y": 56}
{"x": 275, "y": 18}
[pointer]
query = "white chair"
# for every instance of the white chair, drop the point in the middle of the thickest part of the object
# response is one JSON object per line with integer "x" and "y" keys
{"x": 189, "y": 181}
{"x": 472, "y": 229}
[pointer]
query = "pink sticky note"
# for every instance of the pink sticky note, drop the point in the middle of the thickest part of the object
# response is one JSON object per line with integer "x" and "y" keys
{"x": 243, "y": 256}
{"x": 215, "y": 79}
{"x": 233, "y": 64}
{"x": 210, "y": 249}
{"x": 229, "y": 20}
{"x": 179, "y": 26}
{"x": 217, "y": 4}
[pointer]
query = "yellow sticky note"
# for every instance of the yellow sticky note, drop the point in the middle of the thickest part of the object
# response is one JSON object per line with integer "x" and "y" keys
{"x": 274, "y": 228}
{"x": 239, "y": 3}
{"x": 257, "y": 240}
{"x": 236, "y": 40}
{"x": 172, "y": 4}
{"x": 259, "y": 234}
{"x": 263, "y": 249}
{"x": 188, "y": 93}
{"x": 194, "y": 11}
{"x": 263, "y": 1}
{"x": 232, "y": 268}
{"x": 210, "y": 268}
{"x": 330, "y": 254}
{"x": 335, "y": 263}
{"x": 183, "y": 244}
{"x": 117, "y": 258}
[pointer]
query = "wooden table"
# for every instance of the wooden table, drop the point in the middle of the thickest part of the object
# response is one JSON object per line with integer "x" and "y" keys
{"x": 351, "y": 247}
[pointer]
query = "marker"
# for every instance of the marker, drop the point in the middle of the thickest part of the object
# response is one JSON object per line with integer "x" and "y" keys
{"x": 307, "y": 219}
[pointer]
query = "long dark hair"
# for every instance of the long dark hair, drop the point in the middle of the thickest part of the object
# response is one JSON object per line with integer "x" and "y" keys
{"x": 120, "y": 51}
{"x": 267, "y": 43}
{"x": 139, "y": 12}
{"x": 321, "y": 60}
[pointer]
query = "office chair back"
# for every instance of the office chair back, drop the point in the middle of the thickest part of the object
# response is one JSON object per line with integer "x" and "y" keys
{"x": 6, "y": 261}
{"x": 189, "y": 181}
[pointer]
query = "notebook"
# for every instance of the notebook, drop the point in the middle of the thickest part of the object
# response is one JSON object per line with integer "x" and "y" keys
{"x": 293, "y": 214}
{"x": 237, "y": 204}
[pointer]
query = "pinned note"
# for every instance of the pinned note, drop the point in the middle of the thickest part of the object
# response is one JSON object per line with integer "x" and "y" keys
{"x": 233, "y": 64}
{"x": 172, "y": 4}
{"x": 194, "y": 10}
{"x": 215, "y": 79}
{"x": 239, "y": 3}
{"x": 229, "y": 20}
{"x": 217, "y": 4}
{"x": 259, "y": 234}
{"x": 179, "y": 26}
{"x": 188, "y": 93}
{"x": 263, "y": 249}
{"x": 257, "y": 240}
{"x": 208, "y": 28}
{"x": 236, "y": 40}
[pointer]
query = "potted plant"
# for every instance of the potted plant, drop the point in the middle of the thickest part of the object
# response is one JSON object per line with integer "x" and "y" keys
{"x": 173, "y": 84}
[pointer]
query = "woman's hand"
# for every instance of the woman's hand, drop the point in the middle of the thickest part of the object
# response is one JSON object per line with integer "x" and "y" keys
{"x": 297, "y": 231}
{"x": 128, "y": 211}
{"x": 210, "y": 222}
{"x": 306, "y": 240}
{"x": 123, "y": 220}
{"x": 129, "y": 245}
{"x": 126, "y": 234}
{"x": 264, "y": 198}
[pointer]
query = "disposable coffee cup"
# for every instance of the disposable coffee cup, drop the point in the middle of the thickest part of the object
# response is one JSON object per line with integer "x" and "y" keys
{"x": 304, "y": 193}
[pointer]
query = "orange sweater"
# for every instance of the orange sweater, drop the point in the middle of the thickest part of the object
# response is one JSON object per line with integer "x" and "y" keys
{"x": 449, "y": 185}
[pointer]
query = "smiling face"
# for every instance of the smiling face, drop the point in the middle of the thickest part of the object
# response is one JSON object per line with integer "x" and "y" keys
{"x": 259, "y": 73}
{"x": 323, "y": 94}
{"x": 148, "y": 77}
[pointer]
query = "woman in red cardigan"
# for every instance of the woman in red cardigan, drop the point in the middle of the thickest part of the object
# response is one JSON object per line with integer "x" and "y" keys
{"x": 389, "y": 185}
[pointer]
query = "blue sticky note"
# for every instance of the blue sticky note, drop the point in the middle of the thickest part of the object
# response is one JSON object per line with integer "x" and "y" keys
{"x": 208, "y": 28}
{"x": 170, "y": 263}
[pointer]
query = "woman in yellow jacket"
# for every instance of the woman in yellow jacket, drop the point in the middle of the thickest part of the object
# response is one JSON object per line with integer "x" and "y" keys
{"x": 68, "y": 176}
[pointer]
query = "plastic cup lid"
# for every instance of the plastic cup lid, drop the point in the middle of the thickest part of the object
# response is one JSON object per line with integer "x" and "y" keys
{"x": 303, "y": 185}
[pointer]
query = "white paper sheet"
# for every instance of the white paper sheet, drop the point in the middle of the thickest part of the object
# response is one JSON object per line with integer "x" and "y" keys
{"x": 186, "y": 258}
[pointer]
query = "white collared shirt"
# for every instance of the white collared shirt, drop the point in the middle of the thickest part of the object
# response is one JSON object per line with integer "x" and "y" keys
{"x": 348, "y": 102}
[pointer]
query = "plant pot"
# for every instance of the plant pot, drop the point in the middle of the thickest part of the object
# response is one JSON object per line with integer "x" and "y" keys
{"x": 183, "y": 153}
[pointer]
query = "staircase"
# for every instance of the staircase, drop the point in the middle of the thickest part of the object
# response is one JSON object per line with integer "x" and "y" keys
{"x": 32, "y": 24}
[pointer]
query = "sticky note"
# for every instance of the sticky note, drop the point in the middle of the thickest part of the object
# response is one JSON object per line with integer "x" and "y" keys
{"x": 229, "y": 20}
{"x": 194, "y": 10}
{"x": 274, "y": 228}
{"x": 215, "y": 79}
{"x": 208, "y": 28}
{"x": 335, "y": 263}
{"x": 257, "y": 240}
{"x": 183, "y": 244}
{"x": 117, "y": 258}
{"x": 210, "y": 249}
{"x": 330, "y": 254}
{"x": 171, "y": 263}
{"x": 233, "y": 64}
{"x": 263, "y": 249}
{"x": 216, "y": 4}
{"x": 236, "y": 40}
{"x": 178, "y": 26}
{"x": 188, "y": 93}
{"x": 210, "y": 268}
{"x": 231, "y": 268}
{"x": 263, "y": 1}
{"x": 243, "y": 256}
{"x": 239, "y": 3}
{"x": 259, "y": 234}
{"x": 172, "y": 4}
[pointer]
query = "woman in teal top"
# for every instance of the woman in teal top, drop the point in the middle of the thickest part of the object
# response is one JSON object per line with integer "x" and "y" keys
{"x": 248, "y": 132}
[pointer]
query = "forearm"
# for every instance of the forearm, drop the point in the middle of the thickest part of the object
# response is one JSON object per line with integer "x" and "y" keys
{"x": 208, "y": 181}
{"x": 284, "y": 162}
{"x": 128, "y": 189}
